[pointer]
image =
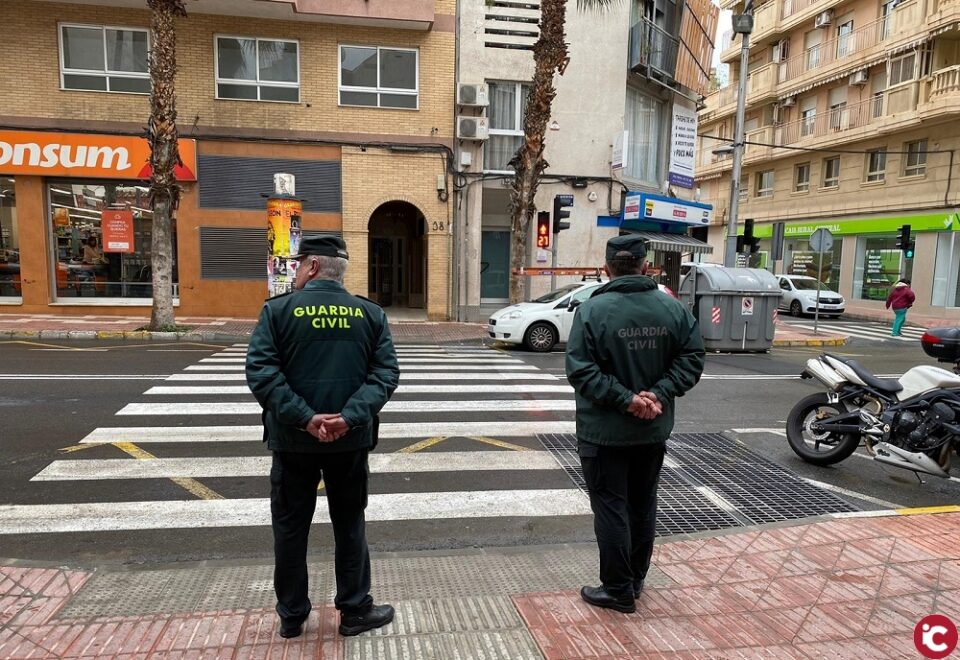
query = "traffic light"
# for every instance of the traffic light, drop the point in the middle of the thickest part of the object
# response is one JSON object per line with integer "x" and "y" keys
{"x": 750, "y": 243}
{"x": 908, "y": 251}
{"x": 543, "y": 229}
{"x": 903, "y": 239}
{"x": 560, "y": 212}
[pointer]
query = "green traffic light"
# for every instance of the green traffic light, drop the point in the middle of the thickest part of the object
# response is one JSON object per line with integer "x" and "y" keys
{"x": 908, "y": 254}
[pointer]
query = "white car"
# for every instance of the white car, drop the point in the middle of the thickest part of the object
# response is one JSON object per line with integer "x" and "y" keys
{"x": 800, "y": 296}
{"x": 542, "y": 324}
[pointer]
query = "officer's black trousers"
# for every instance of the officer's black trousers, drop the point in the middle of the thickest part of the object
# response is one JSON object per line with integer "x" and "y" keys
{"x": 294, "y": 479}
{"x": 622, "y": 482}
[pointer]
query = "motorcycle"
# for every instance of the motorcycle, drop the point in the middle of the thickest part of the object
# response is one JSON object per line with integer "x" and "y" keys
{"x": 912, "y": 422}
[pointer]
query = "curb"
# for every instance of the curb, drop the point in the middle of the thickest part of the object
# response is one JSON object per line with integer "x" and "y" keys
{"x": 833, "y": 341}
{"x": 141, "y": 335}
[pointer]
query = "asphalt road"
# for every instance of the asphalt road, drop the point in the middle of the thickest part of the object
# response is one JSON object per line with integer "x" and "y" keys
{"x": 64, "y": 391}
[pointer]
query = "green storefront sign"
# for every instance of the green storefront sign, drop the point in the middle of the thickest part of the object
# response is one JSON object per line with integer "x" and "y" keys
{"x": 930, "y": 222}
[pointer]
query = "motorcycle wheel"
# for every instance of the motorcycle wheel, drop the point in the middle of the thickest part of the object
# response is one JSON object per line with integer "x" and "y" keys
{"x": 827, "y": 450}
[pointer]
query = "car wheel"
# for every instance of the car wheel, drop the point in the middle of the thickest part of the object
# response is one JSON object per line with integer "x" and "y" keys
{"x": 796, "y": 309}
{"x": 540, "y": 337}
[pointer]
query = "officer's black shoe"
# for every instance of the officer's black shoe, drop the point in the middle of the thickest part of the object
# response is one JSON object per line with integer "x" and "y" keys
{"x": 288, "y": 632}
{"x": 637, "y": 588}
{"x": 598, "y": 597}
{"x": 375, "y": 617}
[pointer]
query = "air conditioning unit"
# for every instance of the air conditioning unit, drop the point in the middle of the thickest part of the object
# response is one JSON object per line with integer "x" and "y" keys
{"x": 788, "y": 102}
{"x": 473, "y": 128}
{"x": 860, "y": 78}
{"x": 823, "y": 19}
{"x": 473, "y": 96}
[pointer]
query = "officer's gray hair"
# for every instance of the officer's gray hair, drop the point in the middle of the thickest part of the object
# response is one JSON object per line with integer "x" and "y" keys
{"x": 331, "y": 268}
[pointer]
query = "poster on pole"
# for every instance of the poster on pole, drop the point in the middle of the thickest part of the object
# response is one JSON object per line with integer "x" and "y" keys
{"x": 683, "y": 144}
{"x": 283, "y": 239}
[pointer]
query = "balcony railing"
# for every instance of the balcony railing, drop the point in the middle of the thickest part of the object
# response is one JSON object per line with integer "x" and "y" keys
{"x": 832, "y": 122}
{"x": 791, "y": 7}
{"x": 834, "y": 50}
{"x": 653, "y": 48}
{"x": 945, "y": 81}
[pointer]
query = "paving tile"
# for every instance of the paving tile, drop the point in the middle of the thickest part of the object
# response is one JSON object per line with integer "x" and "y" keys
{"x": 844, "y": 650}
{"x": 836, "y": 621}
{"x": 856, "y": 584}
{"x": 774, "y": 540}
{"x": 754, "y": 566}
{"x": 899, "y": 614}
{"x": 790, "y": 592}
{"x": 894, "y": 646}
{"x": 863, "y": 553}
{"x": 949, "y": 574}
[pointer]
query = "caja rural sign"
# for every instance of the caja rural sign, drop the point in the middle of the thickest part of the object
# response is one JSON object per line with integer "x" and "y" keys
{"x": 36, "y": 153}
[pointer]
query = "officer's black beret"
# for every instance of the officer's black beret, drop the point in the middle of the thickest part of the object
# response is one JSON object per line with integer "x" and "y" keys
{"x": 325, "y": 245}
{"x": 635, "y": 245}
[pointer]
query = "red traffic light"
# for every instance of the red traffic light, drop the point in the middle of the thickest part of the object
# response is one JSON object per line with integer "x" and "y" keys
{"x": 543, "y": 229}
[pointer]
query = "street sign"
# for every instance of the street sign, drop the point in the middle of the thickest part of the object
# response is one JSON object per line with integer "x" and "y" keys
{"x": 821, "y": 240}
{"x": 746, "y": 306}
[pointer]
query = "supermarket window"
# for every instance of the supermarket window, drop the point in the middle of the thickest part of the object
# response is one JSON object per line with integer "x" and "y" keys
{"x": 9, "y": 241}
{"x": 104, "y": 59}
{"x": 878, "y": 266}
{"x": 258, "y": 69}
{"x": 380, "y": 77}
{"x": 915, "y": 162}
{"x": 98, "y": 259}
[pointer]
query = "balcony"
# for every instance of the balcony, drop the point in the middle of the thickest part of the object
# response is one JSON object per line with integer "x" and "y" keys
{"x": 653, "y": 50}
{"x": 758, "y": 152}
{"x": 828, "y": 57}
{"x": 790, "y": 8}
{"x": 762, "y": 84}
{"x": 844, "y": 124}
{"x": 403, "y": 14}
{"x": 943, "y": 14}
{"x": 940, "y": 94}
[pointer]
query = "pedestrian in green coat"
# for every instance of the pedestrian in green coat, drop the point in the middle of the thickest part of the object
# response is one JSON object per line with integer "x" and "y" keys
{"x": 632, "y": 351}
{"x": 321, "y": 362}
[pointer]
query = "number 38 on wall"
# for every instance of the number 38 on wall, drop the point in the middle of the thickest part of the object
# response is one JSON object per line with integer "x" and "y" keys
{"x": 437, "y": 226}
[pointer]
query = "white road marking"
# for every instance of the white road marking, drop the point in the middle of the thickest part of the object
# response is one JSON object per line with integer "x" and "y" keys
{"x": 431, "y": 376}
{"x": 82, "y": 377}
{"x": 255, "y": 466}
{"x": 192, "y": 514}
{"x": 403, "y": 367}
{"x": 774, "y": 431}
{"x": 253, "y": 408}
{"x": 389, "y": 430}
{"x": 403, "y": 389}
{"x": 710, "y": 494}
{"x": 851, "y": 493}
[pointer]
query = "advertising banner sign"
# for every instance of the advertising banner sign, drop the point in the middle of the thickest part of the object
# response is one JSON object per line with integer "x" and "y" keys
{"x": 117, "y": 227}
{"x": 683, "y": 146}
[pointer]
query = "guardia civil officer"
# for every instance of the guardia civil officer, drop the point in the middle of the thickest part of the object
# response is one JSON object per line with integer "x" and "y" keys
{"x": 632, "y": 351}
{"x": 321, "y": 362}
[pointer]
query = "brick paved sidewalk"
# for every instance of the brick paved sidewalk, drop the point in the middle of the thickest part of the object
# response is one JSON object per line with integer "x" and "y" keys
{"x": 842, "y": 588}
{"x": 852, "y": 588}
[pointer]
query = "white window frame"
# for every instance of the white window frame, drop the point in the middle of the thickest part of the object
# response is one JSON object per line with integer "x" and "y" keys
{"x": 872, "y": 175}
{"x": 764, "y": 193}
{"x": 836, "y": 182}
{"x": 378, "y": 90}
{"x": 920, "y": 168}
{"x": 801, "y": 186}
{"x": 107, "y": 72}
{"x": 899, "y": 59}
{"x": 518, "y": 114}
{"x": 218, "y": 80}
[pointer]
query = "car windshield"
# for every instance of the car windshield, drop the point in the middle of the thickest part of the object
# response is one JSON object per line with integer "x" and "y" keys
{"x": 556, "y": 295}
{"x": 810, "y": 285}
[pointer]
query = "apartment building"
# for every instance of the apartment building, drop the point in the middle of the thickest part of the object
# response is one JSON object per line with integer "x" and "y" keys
{"x": 633, "y": 67}
{"x": 354, "y": 98}
{"x": 852, "y": 124}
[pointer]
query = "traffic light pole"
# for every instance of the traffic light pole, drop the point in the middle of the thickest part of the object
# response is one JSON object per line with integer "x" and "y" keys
{"x": 730, "y": 253}
{"x": 553, "y": 260}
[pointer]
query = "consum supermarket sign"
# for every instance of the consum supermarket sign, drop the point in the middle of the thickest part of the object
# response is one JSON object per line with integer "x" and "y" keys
{"x": 37, "y": 153}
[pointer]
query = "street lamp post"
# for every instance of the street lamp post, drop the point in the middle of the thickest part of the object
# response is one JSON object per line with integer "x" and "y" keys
{"x": 742, "y": 25}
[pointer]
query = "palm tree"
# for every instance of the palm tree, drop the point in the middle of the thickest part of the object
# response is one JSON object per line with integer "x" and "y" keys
{"x": 549, "y": 56}
{"x": 164, "y": 154}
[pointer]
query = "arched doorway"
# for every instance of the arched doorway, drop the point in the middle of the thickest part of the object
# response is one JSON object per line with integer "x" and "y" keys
{"x": 397, "y": 262}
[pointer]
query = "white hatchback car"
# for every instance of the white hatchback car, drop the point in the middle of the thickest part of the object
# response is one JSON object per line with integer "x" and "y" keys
{"x": 799, "y": 296}
{"x": 543, "y": 323}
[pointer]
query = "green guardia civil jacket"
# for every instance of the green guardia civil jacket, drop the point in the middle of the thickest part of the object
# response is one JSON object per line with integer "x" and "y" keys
{"x": 321, "y": 350}
{"x": 629, "y": 337}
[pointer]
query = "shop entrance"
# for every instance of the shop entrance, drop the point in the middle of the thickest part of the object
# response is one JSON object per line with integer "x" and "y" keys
{"x": 397, "y": 269}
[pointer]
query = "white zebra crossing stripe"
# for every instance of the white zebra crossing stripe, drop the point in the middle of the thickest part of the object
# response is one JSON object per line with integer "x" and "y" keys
{"x": 403, "y": 389}
{"x": 860, "y": 333}
{"x": 404, "y": 377}
{"x": 482, "y": 366}
{"x": 253, "y": 408}
{"x": 254, "y": 466}
{"x": 388, "y": 430}
{"x": 403, "y": 361}
{"x": 193, "y": 514}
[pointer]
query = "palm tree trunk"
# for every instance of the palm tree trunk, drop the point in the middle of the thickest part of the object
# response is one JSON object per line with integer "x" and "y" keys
{"x": 549, "y": 56}
{"x": 164, "y": 154}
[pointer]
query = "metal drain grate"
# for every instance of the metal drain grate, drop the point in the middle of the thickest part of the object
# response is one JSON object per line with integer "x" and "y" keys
{"x": 757, "y": 490}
